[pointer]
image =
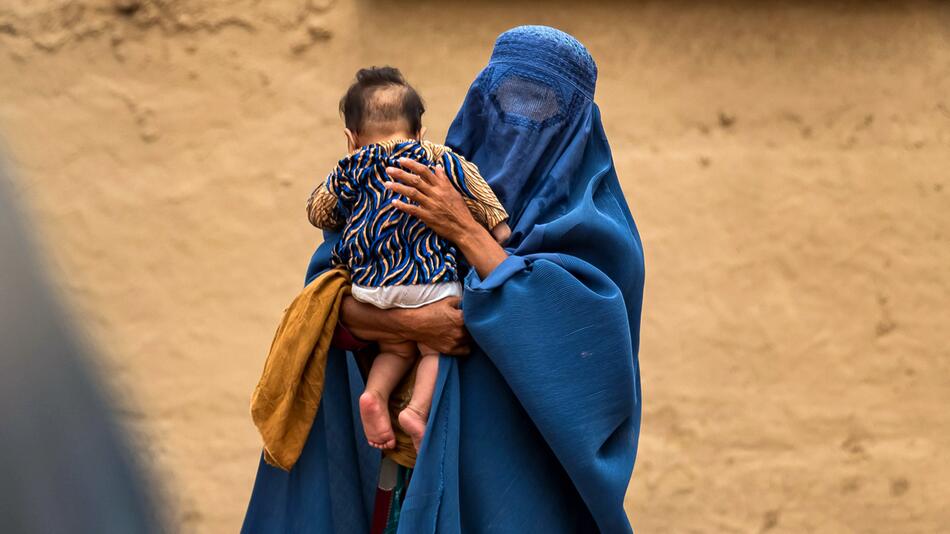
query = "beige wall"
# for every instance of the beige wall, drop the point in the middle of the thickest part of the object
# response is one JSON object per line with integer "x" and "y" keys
{"x": 787, "y": 165}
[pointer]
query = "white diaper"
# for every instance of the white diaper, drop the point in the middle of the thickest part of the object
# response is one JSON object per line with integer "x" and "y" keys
{"x": 409, "y": 296}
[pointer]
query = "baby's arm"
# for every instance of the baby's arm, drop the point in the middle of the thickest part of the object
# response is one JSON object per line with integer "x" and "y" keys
{"x": 322, "y": 206}
{"x": 321, "y": 209}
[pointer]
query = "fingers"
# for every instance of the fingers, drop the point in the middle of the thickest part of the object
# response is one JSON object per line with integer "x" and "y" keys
{"x": 463, "y": 345}
{"x": 458, "y": 348}
{"x": 419, "y": 169}
{"x": 407, "y": 178}
{"x": 461, "y": 350}
{"x": 410, "y": 209}
{"x": 411, "y": 193}
{"x": 440, "y": 173}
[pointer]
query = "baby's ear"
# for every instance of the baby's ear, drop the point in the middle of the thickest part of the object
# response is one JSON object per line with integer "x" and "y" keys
{"x": 351, "y": 141}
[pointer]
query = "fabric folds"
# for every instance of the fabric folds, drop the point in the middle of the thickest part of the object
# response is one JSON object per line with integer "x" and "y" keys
{"x": 287, "y": 397}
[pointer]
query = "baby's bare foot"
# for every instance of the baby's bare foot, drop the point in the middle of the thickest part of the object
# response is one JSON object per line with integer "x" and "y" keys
{"x": 414, "y": 423}
{"x": 375, "y": 416}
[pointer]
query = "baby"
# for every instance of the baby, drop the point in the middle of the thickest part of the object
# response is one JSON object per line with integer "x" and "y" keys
{"x": 395, "y": 260}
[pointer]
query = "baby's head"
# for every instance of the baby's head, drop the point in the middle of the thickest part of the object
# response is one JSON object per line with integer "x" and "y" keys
{"x": 379, "y": 106}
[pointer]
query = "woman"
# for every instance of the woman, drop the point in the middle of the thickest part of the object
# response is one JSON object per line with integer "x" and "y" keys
{"x": 535, "y": 430}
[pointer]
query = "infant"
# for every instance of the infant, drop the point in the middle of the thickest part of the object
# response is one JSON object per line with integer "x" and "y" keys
{"x": 394, "y": 259}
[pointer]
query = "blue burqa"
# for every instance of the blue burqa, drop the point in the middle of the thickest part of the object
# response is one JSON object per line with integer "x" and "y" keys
{"x": 536, "y": 430}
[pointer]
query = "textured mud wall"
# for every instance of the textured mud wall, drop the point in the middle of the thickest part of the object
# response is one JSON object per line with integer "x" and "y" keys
{"x": 788, "y": 165}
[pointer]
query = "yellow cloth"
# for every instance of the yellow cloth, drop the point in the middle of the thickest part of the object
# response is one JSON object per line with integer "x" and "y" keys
{"x": 287, "y": 397}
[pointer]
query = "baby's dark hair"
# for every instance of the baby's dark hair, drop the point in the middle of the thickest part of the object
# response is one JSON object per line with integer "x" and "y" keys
{"x": 365, "y": 102}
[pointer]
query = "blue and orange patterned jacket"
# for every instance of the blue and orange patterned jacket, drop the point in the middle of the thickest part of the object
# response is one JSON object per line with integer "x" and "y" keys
{"x": 380, "y": 245}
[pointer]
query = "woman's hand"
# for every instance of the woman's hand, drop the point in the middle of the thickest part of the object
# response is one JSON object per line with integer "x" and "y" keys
{"x": 435, "y": 201}
{"x": 441, "y": 207}
{"x": 439, "y": 325}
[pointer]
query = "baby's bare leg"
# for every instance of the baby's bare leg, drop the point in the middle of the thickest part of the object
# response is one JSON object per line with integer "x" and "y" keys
{"x": 390, "y": 365}
{"x": 414, "y": 417}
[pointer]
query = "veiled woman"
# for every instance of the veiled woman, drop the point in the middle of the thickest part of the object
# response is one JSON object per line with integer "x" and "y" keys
{"x": 535, "y": 430}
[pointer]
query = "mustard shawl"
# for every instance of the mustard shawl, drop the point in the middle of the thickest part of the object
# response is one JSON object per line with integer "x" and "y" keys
{"x": 285, "y": 402}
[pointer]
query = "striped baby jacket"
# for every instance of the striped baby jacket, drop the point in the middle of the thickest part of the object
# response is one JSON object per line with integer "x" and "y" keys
{"x": 380, "y": 245}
